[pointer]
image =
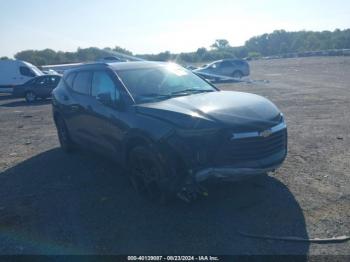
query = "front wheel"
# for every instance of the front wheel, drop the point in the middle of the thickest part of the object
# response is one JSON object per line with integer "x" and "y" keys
{"x": 63, "y": 135}
{"x": 147, "y": 175}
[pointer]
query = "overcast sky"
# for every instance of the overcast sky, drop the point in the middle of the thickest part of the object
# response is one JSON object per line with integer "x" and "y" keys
{"x": 153, "y": 26}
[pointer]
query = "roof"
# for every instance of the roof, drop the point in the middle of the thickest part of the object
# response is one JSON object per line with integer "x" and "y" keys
{"x": 118, "y": 66}
{"x": 135, "y": 65}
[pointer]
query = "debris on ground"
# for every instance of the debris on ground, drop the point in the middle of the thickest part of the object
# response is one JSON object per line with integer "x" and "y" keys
{"x": 337, "y": 239}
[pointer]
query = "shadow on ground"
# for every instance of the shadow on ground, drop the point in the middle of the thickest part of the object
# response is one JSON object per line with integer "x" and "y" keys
{"x": 24, "y": 103}
{"x": 56, "y": 203}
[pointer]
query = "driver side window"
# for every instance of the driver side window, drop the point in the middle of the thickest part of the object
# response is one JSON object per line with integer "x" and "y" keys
{"x": 102, "y": 83}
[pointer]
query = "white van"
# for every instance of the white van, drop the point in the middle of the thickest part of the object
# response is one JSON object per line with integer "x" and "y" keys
{"x": 15, "y": 72}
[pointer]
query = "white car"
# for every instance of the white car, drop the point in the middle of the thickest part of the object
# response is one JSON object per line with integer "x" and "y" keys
{"x": 16, "y": 72}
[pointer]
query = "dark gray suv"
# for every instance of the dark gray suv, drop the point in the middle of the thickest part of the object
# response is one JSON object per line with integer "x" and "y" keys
{"x": 169, "y": 127}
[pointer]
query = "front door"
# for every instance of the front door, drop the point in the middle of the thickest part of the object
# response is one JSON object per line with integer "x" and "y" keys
{"x": 103, "y": 114}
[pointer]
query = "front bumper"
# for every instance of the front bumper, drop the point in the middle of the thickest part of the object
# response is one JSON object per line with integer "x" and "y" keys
{"x": 243, "y": 170}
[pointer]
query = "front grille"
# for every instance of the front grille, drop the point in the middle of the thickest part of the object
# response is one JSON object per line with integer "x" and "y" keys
{"x": 251, "y": 149}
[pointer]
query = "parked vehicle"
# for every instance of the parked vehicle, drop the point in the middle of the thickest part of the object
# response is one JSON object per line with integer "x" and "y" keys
{"x": 59, "y": 69}
{"x": 15, "y": 72}
{"x": 38, "y": 87}
{"x": 169, "y": 127}
{"x": 50, "y": 72}
{"x": 231, "y": 68}
{"x": 111, "y": 59}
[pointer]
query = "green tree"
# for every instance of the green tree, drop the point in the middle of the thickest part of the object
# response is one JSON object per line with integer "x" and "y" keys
{"x": 220, "y": 44}
{"x": 122, "y": 50}
{"x": 201, "y": 51}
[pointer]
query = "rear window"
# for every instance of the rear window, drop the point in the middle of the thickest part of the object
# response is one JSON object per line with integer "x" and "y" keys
{"x": 82, "y": 83}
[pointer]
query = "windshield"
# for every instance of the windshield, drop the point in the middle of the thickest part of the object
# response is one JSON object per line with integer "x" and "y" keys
{"x": 148, "y": 84}
{"x": 36, "y": 70}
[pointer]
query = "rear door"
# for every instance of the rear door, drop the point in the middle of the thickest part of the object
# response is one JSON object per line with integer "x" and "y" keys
{"x": 226, "y": 68}
{"x": 76, "y": 119}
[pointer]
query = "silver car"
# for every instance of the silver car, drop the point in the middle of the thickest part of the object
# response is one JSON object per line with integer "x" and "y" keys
{"x": 233, "y": 68}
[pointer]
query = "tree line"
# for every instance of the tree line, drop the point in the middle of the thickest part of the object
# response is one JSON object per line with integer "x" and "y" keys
{"x": 278, "y": 42}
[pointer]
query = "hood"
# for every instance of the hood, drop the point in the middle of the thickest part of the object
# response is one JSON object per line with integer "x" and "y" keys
{"x": 237, "y": 110}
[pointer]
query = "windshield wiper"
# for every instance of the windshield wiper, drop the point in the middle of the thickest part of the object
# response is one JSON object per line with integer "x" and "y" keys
{"x": 190, "y": 91}
{"x": 184, "y": 92}
{"x": 154, "y": 96}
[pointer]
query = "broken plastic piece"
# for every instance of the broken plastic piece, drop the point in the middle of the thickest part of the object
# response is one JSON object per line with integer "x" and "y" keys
{"x": 299, "y": 239}
{"x": 191, "y": 192}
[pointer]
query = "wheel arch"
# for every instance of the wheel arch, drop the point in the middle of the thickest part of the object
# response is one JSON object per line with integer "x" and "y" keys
{"x": 56, "y": 115}
{"x": 169, "y": 158}
{"x": 167, "y": 153}
{"x": 237, "y": 71}
{"x": 134, "y": 140}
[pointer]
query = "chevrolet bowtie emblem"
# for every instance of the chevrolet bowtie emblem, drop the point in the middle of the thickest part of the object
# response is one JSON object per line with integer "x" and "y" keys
{"x": 266, "y": 133}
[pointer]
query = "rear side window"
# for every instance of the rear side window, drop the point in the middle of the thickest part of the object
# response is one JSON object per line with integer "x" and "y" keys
{"x": 69, "y": 79}
{"x": 82, "y": 83}
{"x": 25, "y": 71}
{"x": 226, "y": 64}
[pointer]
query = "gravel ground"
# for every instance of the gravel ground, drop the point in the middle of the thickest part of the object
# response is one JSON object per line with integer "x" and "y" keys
{"x": 54, "y": 203}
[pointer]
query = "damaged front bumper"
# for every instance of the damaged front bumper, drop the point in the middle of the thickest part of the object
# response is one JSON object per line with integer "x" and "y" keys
{"x": 230, "y": 173}
{"x": 193, "y": 188}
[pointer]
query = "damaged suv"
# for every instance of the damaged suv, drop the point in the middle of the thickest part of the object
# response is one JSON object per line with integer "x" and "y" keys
{"x": 168, "y": 126}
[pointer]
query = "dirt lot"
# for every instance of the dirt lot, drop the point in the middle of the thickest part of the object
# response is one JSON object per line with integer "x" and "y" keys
{"x": 53, "y": 203}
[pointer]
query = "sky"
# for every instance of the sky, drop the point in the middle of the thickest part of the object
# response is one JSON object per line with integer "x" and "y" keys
{"x": 153, "y": 26}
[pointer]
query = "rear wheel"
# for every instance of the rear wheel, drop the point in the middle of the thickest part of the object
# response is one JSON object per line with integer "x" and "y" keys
{"x": 30, "y": 97}
{"x": 63, "y": 135}
{"x": 237, "y": 75}
{"x": 147, "y": 175}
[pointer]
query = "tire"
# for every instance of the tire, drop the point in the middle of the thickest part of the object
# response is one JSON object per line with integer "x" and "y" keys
{"x": 30, "y": 97}
{"x": 66, "y": 143}
{"x": 237, "y": 75}
{"x": 148, "y": 176}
